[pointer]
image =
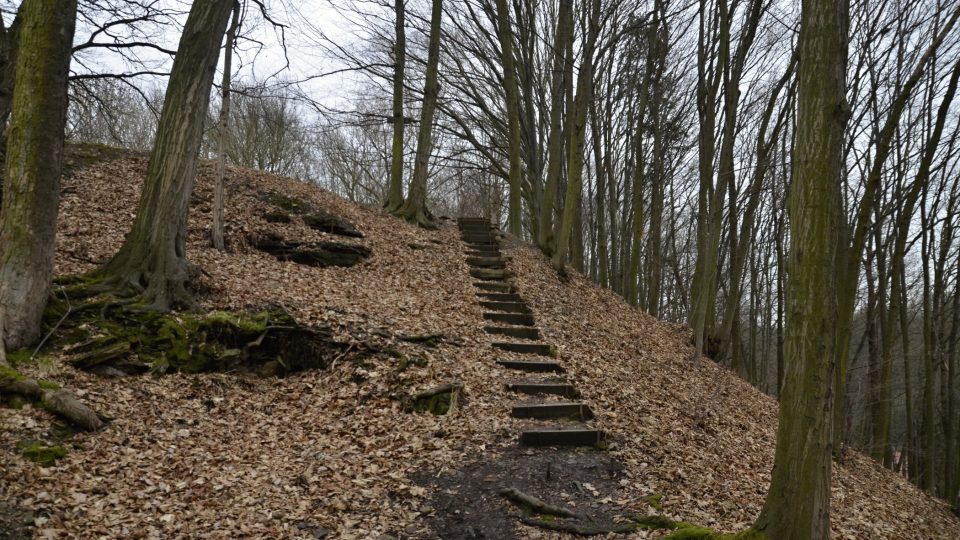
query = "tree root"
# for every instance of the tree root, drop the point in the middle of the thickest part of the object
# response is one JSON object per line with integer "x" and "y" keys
{"x": 60, "y": 402}
{"x": 534, "y": 505}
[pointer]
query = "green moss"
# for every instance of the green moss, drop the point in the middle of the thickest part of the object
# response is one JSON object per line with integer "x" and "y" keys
{"x": 9, "y": 375}
{"x": 656, "y": 522}
{"x": 438, "y": 404}
{"x": 655, "y": 500}
{"x": 48, "y": 385}
{"x": 19, "y": 357}
{"x": 693, "y": 533}
{"x": 40, "y": 453}
{"x": 15, "y": 401}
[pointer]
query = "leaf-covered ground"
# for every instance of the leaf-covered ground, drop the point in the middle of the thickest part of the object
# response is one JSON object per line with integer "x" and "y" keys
{"x": 335, "y": 452}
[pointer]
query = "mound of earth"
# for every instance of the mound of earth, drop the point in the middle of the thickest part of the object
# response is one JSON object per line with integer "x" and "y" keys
{"x": 339, "y": 452}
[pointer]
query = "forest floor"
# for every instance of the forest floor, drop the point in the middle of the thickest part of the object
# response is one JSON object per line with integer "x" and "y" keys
{"x": 337, "y": 454}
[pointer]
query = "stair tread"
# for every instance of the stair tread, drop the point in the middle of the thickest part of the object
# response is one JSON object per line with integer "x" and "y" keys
{"x": 532, "y": 365}
{"x": 558, "y": 435}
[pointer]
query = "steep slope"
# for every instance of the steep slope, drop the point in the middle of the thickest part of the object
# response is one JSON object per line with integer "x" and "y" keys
{"x": 337, "y": 452}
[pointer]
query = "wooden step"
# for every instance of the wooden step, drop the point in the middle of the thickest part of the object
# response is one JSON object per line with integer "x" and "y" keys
{"x": 550, "y": 411}
{"x": 494, "y": 252}
{"x": 480, "y": 239}
{"x": 491, "y": 250}
{"x": 500, "y": 297}
{"x": 486, "y": 262}
{"x": 479, "y": 228}
{"x": 517, "y": 319}
{"x": 506, "y": 307}
{"x": 533, "y": 366}
{"x": 474, "y": 219}
{"x": 519, "y": 332}
{"x": 494, "y": 286}
{"x": 525, "y": 348}
{"x": 562, "y": 436}
{"x": 490, "y": 274}
{"x": 535, "y": 388}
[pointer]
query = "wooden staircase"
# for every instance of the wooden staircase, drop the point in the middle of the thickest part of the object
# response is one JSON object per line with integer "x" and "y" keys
{"x": 552, "y": 423}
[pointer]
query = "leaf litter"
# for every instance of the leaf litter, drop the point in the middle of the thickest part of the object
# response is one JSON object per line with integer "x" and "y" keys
{"x": 336, "y": 453}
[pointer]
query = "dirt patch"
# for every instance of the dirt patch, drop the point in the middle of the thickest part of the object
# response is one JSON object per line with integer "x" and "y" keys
{"x": 15, "y": 522}
{"x": 466, "y": 502}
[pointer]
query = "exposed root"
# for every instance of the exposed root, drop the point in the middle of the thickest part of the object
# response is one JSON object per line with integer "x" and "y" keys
{"x": 58, "y": 401}
{"x": 534, "y": 505}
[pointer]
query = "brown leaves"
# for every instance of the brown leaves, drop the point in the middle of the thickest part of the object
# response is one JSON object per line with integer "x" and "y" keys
{"x": 223, "y": 456}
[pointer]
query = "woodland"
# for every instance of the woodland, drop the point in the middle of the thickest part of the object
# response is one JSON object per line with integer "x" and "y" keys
{"x": 735, "y": 221}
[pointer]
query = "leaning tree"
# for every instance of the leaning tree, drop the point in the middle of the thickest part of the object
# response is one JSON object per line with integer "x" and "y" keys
{"x": 152, "y": 262}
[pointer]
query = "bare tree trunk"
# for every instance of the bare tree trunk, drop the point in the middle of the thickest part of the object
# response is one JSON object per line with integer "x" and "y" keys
{"x": 395, "y": 194}
{"x": 28, "y": 217}
{"x": 415, "y": 208}
{"x": 216, "y": 231}
{"x": 555, "y": 143}
{"x": 798, "y": 502}
{"x": 856, "y": 232}
{"x": 512, "y": 96}
{"x": 577, "y": 127}
{"x": 152, "y": 261}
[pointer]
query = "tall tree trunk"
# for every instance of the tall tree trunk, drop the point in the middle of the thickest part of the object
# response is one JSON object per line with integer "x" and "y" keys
{"x": 577, "y": 127}
{"x": 152, "y": 261}
{"x": 9, "y": 41}
{"x": 707, "y": 85}
{"x": 560, "y": 80}
{"x": 395, "y": 193}
{"x": 216, "y": 230}
{"x": 512, "y": 96}
{"x": 415, "y": 208}
{"x": 855, "y": 234}
{"x": 798, "y": 502}
{"x": 28, "y": 216}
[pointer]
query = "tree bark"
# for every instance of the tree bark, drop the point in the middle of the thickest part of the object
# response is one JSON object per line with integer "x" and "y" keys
{"x": 395, "y": 194}
{"x": 577, "y": 127}
{"x": 512, "y": 97}
{"x": 216, "y": 230}
{"x": 415, "y": 208}
{"x": 28, "y": 217}
{"x": 798, "y": 502}
{"x": 560, "y": 80}
{"x": 152, "y": 262}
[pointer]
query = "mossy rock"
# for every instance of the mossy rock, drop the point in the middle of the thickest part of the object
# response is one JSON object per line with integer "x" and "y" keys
{"x": 437, "y": 405}
{"x": 329, "y": 223}
{"x": 319, "y": 254}
{"x": 40, "y": 453}
{"x": 134, "y": 342}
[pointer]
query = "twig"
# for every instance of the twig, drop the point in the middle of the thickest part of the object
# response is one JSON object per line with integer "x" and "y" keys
{"x": 56, "y": 326}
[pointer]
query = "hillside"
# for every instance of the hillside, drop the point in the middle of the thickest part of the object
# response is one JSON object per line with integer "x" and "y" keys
{"x": 336, "y": 453}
